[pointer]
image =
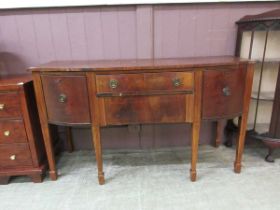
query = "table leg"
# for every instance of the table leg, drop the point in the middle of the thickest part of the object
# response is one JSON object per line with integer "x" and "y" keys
{"x": 50, "y": 152}
{"x": 44, "y": 124}
{"x": 242, "y": 121}
{"x": 69, "y": 139}
{"x": 195, "y": 140}
{"x": 98, "y": 153}
{"x": 242, "y": 124}
{"x": 219, "y": 133}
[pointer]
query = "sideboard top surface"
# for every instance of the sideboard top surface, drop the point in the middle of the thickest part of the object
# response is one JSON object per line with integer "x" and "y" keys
{"x": 138, "y": 64}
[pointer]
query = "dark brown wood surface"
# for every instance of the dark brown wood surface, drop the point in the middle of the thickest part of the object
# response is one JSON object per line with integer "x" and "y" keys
{"x": 145, "y": 109}
{"x": 15, "y": 155}
{"x": 137, "y": 83}
{"x": 12, "y": 131}
{"x": 21, "y": 144}
{"x": 9, "y": 105}
{"x": 172, "y": 64}
{"x": 218, "y": 104}
{"x": 75, "y": 108}
{"x": 140, "y": 91}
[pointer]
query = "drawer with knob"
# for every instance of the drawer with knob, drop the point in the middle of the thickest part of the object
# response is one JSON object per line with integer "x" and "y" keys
{"x": 223, "y": 93}
{"x": 12, "y": 131}
{"x": 66, "y": 98}
{"x": 15, "y": 155}
{"x": 144, "y": 83}
{"x": 9, "y": 105}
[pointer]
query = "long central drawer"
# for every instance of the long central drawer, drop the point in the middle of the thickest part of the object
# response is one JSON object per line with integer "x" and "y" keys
{"x": 144, "y": 83}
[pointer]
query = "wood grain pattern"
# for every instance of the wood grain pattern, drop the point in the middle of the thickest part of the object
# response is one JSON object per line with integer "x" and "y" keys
{"x": 21, "y": 152}
{"x": 145, "y": 82}
{"x": 243, "y": 118}
{"x": 12, "y": 131}
{"x": 44, "y": 125}
{"x": 196, "y": 122}
{"x": 11, "y": 105}
{"x": 134, "y": 65}
{"x": 74, "y": 108}
{"x": 152, "y": 98}
{"x": 217, "y": 103}
{"x": 15, "y": 155}
{"x": 146, "y": 109}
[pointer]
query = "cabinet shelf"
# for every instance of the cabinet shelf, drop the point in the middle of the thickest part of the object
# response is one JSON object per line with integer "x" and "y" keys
{"x": 264, "y": 96}
{"x": 267, "y": 60}
{"x": 259, "y": 128}
{"x": 258, "y": 38}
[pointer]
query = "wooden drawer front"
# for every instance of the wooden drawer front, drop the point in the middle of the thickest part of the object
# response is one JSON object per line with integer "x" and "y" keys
{"x": 66, "y": 98}
{"x": 15, "y": 155}
{"x": 148, "y": 109}
{"x": 12, "y": 131}
{"x": 223, "y": 93}
{"x": 9, "y": 105}
{"x": 120, "y": 83}
{"x": 169, "y": 81}
{"x": 145, "y": 82}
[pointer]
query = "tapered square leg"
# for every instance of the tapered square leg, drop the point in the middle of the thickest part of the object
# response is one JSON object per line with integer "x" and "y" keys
{"x": 242, "y": 121}
{"x": 4, "y": 180}
{"x": 219, "y": 133}
{"x": 195, "y": 140}
{"x": 98, "y": 153}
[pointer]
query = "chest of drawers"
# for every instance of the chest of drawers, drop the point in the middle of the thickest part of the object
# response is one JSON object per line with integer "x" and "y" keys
{"x": 105, "y": 93}
{"x": 21, "y": 142}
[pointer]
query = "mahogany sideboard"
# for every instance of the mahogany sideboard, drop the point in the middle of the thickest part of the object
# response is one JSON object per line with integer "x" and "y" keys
{"x": 122, "y": 92}
{"x": 21, "y": 143}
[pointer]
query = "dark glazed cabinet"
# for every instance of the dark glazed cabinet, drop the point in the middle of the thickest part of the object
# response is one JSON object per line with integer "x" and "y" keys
{"x": 21, "y": 145}
{"x": 258, "y": 39}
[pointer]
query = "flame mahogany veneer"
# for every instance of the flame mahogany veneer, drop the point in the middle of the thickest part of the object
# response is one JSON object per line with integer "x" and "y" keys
{"x": 182, "y": 90}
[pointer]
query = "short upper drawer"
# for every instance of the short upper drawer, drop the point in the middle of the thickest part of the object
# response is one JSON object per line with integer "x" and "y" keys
{"x": 169, "y": 81}
{"x": 9, "y": 105}
{"x": 12, "y": 131}
{"x": 144, "y": 82}
{"x": 117, "y": 83}
{"x": 66, "y": 98}
{"x": 15, "y": 155}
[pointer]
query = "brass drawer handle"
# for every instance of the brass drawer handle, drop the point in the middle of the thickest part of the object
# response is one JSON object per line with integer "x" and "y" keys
{"x": 6, "y": 133}
{"x": 12, "y": 157}
{"x": 226, "y": 91}
{"x": 113, "y": 83}
{"x": 2, "y": 106}
{"x": 177, "y": 82}
{"x": 62, "y": 98}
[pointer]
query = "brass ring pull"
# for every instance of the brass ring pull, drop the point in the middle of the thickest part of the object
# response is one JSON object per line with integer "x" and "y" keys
{"x": 226, "y": 91}
{"x": 12, "y": 157}
{"x": 177, "y": 82}
{"x": 113, "y": 83}
{"x": 62, "y": 98}
{"x": 6, "y": 133}
{"x": 2, "y": 106}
